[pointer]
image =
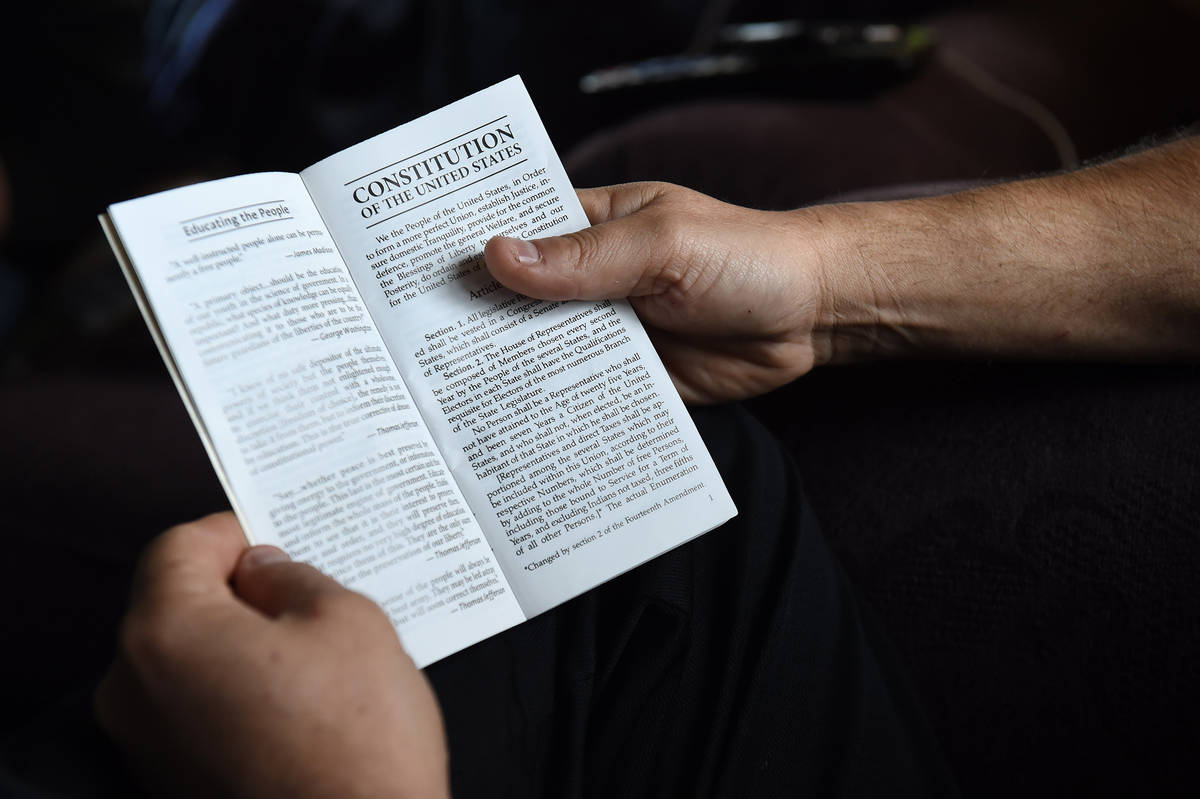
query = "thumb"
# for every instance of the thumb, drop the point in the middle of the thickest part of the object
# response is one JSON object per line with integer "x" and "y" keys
{"x": 268, "y": 580}
{"x": 621, "y": 256}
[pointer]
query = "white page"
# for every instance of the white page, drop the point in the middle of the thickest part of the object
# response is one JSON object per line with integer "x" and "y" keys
{"x": 313, "y": 431}
{"x": 526, "y": 399}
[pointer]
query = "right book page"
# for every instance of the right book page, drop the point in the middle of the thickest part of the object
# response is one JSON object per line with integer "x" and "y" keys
{"x": 558, "y": 420}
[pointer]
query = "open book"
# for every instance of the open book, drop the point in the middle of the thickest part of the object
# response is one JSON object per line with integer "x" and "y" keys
{"x": 376, "y": 404}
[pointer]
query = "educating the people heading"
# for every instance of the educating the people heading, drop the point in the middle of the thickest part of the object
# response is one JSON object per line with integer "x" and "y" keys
{"x": 376, "y": 404}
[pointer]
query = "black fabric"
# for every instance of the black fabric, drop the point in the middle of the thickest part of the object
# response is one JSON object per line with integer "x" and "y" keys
{"x": 741, "y": 664}
{"x": 1030, "y": 535}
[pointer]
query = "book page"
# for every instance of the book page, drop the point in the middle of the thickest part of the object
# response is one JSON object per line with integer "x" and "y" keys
{"x": 308, "y": 422}
{"x": 558, "y": 419}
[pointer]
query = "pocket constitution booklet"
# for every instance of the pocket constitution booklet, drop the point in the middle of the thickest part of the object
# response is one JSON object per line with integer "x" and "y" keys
{"x": 376, "y": 404}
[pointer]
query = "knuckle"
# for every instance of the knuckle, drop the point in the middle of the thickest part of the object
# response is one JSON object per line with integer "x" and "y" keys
{"x": 584, "y": 248}
{"x": 654, "y": 189}
{"x": 168, "y": 548}
{"x": 183, "y": 532}
{"x": 673, "y": 232}
{"x": 148, "y": 642}
{"x": 608, "y": 204}
{"x": 597, "y": 203}
{"x": 675, "y": 238}
{"x": 629, "y": 198}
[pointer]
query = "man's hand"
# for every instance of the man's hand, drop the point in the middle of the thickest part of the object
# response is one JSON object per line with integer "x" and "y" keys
{"x": 729, "y": 295}
{"x": 241, "y": 673}
{"x": 1094, "y": 264}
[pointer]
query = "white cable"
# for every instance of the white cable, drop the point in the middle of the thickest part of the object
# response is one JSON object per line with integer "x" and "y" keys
{"x": 974, "y": 75}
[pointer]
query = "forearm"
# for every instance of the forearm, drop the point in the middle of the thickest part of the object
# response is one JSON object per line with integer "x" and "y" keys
{"x": 1099, "y": 263}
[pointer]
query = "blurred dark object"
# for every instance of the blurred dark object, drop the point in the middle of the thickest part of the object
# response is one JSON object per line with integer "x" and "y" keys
{"x": 340, "y": 72}
{"x": 792, "y": 58}
{"x": 1010, "y": 90}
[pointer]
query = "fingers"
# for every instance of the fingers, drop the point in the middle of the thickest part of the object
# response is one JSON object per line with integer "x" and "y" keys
{"x": 606, "y": 203}
{"x": 270, "y": 582}
{"x": 597, "y": 203}
{"x": 181, "y": 594}
{"x": 191, "y": 562}
{"x": 186, "y": 573}
{"x": 622, "y": 255}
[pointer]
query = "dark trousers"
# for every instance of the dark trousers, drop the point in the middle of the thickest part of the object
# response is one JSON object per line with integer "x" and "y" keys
{"x": 741, "y": 664}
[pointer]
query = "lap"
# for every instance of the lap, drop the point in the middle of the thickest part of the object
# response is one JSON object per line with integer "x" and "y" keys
{"x": 742, "y": 663}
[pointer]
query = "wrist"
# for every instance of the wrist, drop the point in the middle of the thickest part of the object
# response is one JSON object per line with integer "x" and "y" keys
{"x": 952, "y": 275}
{"x": 867, "y": 258}
{"x": 1098, "y": 263}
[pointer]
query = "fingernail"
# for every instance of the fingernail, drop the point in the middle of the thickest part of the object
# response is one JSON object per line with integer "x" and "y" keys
{"x": 526, "y": 252}
{"x": 263, "y": 556}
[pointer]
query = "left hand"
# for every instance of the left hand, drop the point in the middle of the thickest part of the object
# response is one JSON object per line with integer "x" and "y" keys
{"x": 241, "y": 673}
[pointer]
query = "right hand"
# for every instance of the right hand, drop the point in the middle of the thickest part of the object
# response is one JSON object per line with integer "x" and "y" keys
{"x": 730, "y": 296}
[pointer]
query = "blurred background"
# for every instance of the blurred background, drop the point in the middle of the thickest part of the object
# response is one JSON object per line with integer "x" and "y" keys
{"x": 1029, "y": 534}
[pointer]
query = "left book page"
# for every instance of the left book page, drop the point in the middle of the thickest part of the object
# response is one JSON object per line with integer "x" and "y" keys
{"x": 307, "y": 421}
